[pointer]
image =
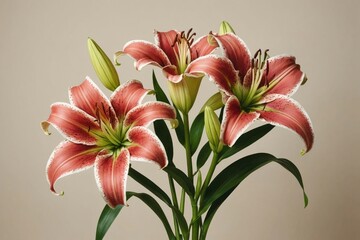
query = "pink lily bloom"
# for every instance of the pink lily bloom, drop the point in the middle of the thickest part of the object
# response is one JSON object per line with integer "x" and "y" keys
{"x": 106, "y": 134}
{"x": 257, "y": 88}
{"x": 174, "y": 52}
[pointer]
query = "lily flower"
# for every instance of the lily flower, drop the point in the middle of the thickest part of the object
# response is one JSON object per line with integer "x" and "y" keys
{"x": 257, "y": 88}
{"x": 173, "y": 52}
{"x": 105, "y": 134}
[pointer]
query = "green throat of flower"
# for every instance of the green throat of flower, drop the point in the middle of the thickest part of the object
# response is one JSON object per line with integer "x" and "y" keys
{"x": 255, "y": 84}
{"x": 113, "y": 135}
{"x": 182, "y": 46}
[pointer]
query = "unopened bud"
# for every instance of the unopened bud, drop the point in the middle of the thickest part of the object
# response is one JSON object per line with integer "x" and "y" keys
{"x": 212, "y": 128}
{"x": 215, "y": 102}
{"x": 225, "y": 28}
{"x": 103, "y": 67}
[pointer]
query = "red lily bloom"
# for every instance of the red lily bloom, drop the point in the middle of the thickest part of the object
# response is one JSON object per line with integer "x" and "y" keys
{"x": 105, "y": 134}
{"x": 257, "y": 88}
{"x": 174, "y": 52}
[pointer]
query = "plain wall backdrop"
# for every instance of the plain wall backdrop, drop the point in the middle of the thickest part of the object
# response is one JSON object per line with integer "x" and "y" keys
{"x": 43, "y": 52}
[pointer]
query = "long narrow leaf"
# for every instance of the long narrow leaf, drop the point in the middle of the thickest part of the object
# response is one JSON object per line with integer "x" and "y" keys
{"x": 246, "y": 140}
{"x": 180, "y": 128}
{"x": 163, "y": 133}
{"x": 211, "y": 213}
{"x": 196, "y": 131}
{"x": 226, "y": 182}
{"x": 232, "y": 176}
{"x": 181, "y": 178}
{"x": 107, "y": 217}
{"x": 160, "y": 95}
{"x": 203, "y": 156}
{"x": 149, "y": 185}
{"x": 288, "y": 165}
{"x": 154, "y": 205}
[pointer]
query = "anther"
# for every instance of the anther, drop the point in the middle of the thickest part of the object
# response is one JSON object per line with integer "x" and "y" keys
{"x": 188, "y": 33}
{"x": 257, "y": 53}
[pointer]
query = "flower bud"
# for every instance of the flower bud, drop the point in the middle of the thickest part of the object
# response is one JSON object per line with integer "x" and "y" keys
{"x": 225, "y": 28}
{"x": 212, "y": 128}
{"x": 215, "y": 102}
{"x": 103, "y": 67}
{"x": 183, "y": 93}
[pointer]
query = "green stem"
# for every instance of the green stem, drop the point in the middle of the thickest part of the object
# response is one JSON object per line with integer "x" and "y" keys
{"x": 187, "y": 146}
{"x": 195, "y": 226}
{"x": 175, "y": 202}
{"x": 182, "y": 201}
{"x": 209, "y": 174}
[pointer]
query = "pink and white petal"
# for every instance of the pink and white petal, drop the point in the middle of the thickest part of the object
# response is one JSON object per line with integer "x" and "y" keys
{"x": 165, "y": 41}
{"x": 236, "y": 50}
{"x": 235, "y": 121}
{"x": 146, "y": 147}
{"x": 69, "y": 158}
{"x": 73, "y": 123}
{"x": 127, "y": 96}
{"x": 88, "y": 97}
{"x": 286, "y": 112}
{"x": 111, "y": 176}
{"x": 145, "y": 53}
{"x": 171, "y": 74}
{"x": 147, "y": 113}
{"x": 219, "y": 69}
{"x": 284, "y": 70}
{"x": 204, "y": 45}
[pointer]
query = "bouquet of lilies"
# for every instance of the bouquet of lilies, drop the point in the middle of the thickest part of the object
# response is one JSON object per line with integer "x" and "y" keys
{"x": 107, "y": 134}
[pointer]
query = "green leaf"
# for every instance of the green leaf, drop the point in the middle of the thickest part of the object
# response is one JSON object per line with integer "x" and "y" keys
{"x": 160, "y": 95}
{"x": 203, "y": 155}
{"x": 180, "y": 128}
{"x": 245, "y": 140}
{"x": 196, "y": 131}
{"x": 211, "y": 213}
{"x": 149, "y": 185}
{"x": 154, "y": 205}
{"x": 181, "y": 178}
{"x": 107, "y": 217}
{"x": 232, "y": 176}
{"x": 288, "y": 165}
{"x": 163, "y": 133}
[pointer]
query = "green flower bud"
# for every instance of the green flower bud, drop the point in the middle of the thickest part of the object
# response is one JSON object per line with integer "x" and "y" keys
{"x": 103, "y": 67}
{"x": 183, "y": 93}
{"x": 225, "y": 28}
{"x": 215, "y": 102}
{"x": 212, "y": 128}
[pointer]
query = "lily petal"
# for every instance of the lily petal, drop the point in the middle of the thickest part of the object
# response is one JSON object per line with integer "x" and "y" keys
{"x": 219, "y": 69}
{"x": 203, "y": 46}
{"x": 128, "y": 96}
{"x": 286, "y": 73}
{"x": 171, "y": 73}
{"x": 88, "y": 97}
{"x": 146, "y": 147}
{"x": 146, "y": 113}
{"x": 165, "y": 40}
{"x": 286, "y": 112}
{"x": 236, "y": 50}
{"x": 111, "y": 176}
{"x": 68, "y": 158}
{"x": 146, "y": 53}
{"x": 73, "y": 123}
{"x": 235, "y": 121}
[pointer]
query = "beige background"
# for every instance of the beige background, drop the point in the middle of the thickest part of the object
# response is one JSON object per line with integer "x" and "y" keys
{"x": 43, "y": 52}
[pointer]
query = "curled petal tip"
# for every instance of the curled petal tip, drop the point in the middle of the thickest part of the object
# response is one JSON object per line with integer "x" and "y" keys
{"x": 304, "y": 79}
{"x": 303, "y": 152}
{"x": 174, "y": 123}
{"x": 151, "y": 92}
{"x": 117, "y": 55}
{"x": 45, "y": 127}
